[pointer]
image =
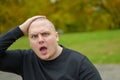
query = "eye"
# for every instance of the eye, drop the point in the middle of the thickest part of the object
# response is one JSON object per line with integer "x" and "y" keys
{"x": 34, "y": 36}
{"x": 45, "y": 34}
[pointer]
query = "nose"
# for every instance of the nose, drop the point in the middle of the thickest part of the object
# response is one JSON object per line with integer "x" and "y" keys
{"x": 41, "y": 39}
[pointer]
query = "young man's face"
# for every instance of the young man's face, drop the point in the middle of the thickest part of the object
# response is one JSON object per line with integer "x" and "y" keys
{"x": 43, "y": 40}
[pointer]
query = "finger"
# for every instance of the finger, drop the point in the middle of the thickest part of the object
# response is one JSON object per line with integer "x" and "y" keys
{"x": 36, "y": 17}
{"x": 30, "y": 20}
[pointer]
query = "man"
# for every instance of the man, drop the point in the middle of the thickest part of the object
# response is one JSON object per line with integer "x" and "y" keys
{"x": 46, "y": 60}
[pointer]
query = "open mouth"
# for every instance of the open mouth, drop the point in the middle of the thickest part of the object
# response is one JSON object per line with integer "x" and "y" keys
{"x": 43, "y": 50}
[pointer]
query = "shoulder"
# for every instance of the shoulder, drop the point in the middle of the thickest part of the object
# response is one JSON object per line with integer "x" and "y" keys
{"x": 20, "y": 52}
{"x": 28, "y": 52}
{"x": 76, "y": 58}
{"x": 74, "y": 55}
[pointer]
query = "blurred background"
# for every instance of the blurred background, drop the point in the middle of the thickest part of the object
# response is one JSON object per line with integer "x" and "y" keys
{"x": 68, "y": 16}
{"x": 91, "y": 27}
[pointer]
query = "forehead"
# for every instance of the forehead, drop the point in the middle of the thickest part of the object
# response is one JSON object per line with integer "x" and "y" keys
{"x": 43, "y": 25}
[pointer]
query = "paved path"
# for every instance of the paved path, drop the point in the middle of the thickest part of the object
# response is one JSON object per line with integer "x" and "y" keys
{"x": 108, "y": 72}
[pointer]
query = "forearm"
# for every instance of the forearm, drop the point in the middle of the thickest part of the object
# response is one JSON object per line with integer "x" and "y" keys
{"x": 10, "y": 60}
{"x": 9, "y": 37}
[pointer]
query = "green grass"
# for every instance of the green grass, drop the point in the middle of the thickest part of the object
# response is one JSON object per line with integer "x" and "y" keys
{"x": 99, "y": 47}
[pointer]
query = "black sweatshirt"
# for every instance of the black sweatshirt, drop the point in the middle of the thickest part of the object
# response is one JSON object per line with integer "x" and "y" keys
{"x": 70, "y": 65}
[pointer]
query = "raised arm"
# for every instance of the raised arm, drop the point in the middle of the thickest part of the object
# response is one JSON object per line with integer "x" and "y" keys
{"x": 10, "y": 59}
{"x": 11, "y": 36}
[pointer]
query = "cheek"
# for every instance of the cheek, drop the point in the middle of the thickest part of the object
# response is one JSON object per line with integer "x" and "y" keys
{"x": 32, "y": 43}
{"x": 52, "y": 40}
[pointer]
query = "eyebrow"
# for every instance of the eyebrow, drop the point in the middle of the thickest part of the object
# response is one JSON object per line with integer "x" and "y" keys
{"x": 39, "y": 32}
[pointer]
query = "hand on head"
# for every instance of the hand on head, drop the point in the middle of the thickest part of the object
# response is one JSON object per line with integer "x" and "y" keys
{"x": 25, "y": 26}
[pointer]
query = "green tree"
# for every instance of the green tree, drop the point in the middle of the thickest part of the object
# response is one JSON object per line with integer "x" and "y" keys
{"x": 68, "y": 16}
{"x": 112, "y": 8}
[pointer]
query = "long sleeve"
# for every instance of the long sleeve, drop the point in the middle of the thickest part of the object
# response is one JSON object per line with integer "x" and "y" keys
{"x": 9, "y": 37}
{"x": 88, "y": 71}
{"x": 10, "y": 60}
{"x": 70, "y": 65}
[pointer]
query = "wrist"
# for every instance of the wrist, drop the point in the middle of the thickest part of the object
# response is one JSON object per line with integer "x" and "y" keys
{"x": 22, "y": 29}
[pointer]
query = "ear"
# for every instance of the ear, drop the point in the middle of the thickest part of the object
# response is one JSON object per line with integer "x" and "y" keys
{"x": 57, "y": 36}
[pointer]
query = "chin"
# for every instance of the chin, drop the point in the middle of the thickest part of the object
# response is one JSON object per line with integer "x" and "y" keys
{"x": 45, "y": 58}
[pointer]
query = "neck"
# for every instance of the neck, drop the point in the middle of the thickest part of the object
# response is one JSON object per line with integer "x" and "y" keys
{"x": 59, "y": 51}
